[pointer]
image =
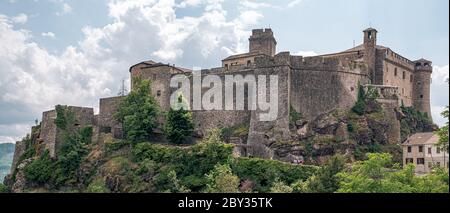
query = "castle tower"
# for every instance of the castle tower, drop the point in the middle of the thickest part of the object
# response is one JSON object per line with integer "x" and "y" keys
{"x": 370, "y": 43}
{"x": 421, "y": 87}
{"x": 263, "y": 41}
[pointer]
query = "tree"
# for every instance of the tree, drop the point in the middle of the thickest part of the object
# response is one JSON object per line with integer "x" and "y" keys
{"x": 443, "y": 132}
{"x": 179, "y": 125}
{"x": 222, "y": 180}
{"x": 280, "y": 187}
{"x": 376, "y": 175}
{"x": 138, "y": 112}
{"x": 175, "y": 184}
{"x": 360, "y": 106}
{"x": 326, "y": 181}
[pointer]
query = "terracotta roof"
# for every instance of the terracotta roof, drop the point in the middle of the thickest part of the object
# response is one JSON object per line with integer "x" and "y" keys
{"x": 361, "y": 47}
{"x": 423, "y": 60}
{"x": 422, "y": 138}
{"x": 151, "y": 63}
{"x": 244, "y": 55}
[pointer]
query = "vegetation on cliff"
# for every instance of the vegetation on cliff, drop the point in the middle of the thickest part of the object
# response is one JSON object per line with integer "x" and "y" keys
{"x": 414, "y": 121}
{"x": 138, "y": 112}
{"x": 138, "y": 164}
{"x": 75, "y": 147}
{"x": 443, "y": 132}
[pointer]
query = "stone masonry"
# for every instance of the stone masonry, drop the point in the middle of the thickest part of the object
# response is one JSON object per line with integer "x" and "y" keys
{"x": 311, "y": 86}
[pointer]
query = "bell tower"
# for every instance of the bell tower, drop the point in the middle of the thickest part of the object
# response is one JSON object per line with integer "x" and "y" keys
{"x": 370, "y": 44}
{"x": 263, "y": 41}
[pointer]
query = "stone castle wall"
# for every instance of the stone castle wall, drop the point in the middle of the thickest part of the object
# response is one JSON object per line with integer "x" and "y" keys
{"x": 320, "y": 85}
{"x": 398, "y": 71}
{"x": 51, "y": 135}
{"x": 310, "y": 85}
{"x": 105, "y": 119}
{"x": 49, "y": 131}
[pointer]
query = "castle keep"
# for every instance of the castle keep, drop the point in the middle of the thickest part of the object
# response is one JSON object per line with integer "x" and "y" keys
{"x": 311, "y": 86}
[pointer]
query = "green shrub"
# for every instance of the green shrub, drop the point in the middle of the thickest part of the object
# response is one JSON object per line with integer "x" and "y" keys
{"x": 222, "y": 180}
{"x": 3, "y": 188}
{"x": 265, "y": 172}
{"x": 72, "y": 154}
{"x": 189, "y": 164}
{"x": 326, "y": 180}
{"x": 40, "y": 170}
{"x": 97, "y": 186}
{"x": 280, "y": 187}
{"x": 115, "y": 145}
{"x": 294, "y": 115}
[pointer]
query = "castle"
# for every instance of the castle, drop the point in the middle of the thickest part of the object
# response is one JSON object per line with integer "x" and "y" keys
{"x": 309, "y": 85}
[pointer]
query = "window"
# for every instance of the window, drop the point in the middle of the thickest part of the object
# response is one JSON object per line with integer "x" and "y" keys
{"x": 438, "y": 150}
{"x": 421, "y": 96}
{"x": 429, "y": 150}
{"x": 226, "y": 66}
{"x": 249, "y": 63}
{"x": 420, "y": 148}
{"x": 395, "y": 71}
{"x": 410, "y": 78}
{"x": 404, "y": 75}
{"x": 420, "y": 161}
{"x": 409, "y": 149}
{"x": 158, "y": 93}
{"x": 409, "y": 160}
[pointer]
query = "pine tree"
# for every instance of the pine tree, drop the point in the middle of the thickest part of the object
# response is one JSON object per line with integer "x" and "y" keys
{"x": 179, "y": 125}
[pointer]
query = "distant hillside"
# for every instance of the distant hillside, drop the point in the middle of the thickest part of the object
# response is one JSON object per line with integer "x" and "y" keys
{"x": 6, "y": 157}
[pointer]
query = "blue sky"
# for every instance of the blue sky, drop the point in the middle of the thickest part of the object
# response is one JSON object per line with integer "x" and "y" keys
{"x": 76, "y": 51}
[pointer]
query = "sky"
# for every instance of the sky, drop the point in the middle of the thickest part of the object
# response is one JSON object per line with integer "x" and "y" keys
{"x": 73, "y": 52}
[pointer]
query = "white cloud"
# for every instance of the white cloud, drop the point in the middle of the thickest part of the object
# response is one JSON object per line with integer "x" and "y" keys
{"x": 20, "y": 19}
{"x": 258, "y": 4}
{"x": 65, "y": 9}
{"x": 189, "y": 3}
{"x": 439, "y": 93}
{"x": 49, "y": 35}
{"x": 13, "y": 133}
{"x": 255, "y": 4}
{"x": 440, "y": 75}
{"x": 294, "y": 3}
{"x": 306, "y": 53}
{"x": 34, "y": 79}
